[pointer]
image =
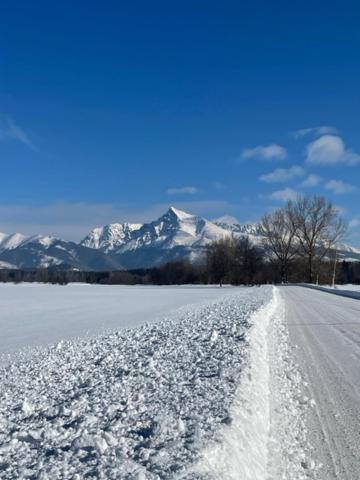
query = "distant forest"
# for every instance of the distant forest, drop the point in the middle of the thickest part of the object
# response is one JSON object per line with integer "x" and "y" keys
{"x": 299, "y": 244}
{"x": 252, "y": 270}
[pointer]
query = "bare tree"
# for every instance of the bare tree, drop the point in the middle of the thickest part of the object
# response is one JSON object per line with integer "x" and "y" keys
{"x": 278, "y": 232}
{"x": 219, "y": 259}
{"x": 247, "y": 261}
{"x": 317, "y": 226}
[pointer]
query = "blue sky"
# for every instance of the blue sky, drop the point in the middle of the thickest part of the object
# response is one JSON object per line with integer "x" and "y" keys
{"x": 112, "y": 111}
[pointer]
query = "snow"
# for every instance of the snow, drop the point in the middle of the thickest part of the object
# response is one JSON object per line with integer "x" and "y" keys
{"x": 242, "y": 383}
{"x": 142, "y": 403}
{"x": 324, "y": 334}
{"x": 7, "y": 265}
{"x": 180, "y": 213}
{"x": 35, "y": 314}
{"x": 111, "y": 236}
{"x": 349, "y": 287}
{"x": 11, "y": 241}
{"x": 226, "y": 220}
{"x": 267, "y": 437}
{"x": 44, "y": 240}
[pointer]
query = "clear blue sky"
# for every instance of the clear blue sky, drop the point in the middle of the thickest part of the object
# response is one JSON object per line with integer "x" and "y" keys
{"x": 112, "y": 111}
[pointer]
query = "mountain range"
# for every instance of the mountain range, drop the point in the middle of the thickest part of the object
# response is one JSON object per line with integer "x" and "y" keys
{"x": 175, "y": 235}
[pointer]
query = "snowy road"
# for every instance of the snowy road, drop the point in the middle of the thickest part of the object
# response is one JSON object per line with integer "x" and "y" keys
{"x": 326, "y": 330}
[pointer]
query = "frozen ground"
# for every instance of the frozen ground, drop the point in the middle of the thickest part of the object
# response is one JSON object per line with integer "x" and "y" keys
{"x": 325, "y": 330}
{"x": 143, "y": 403}
{"x": 38, "y": 314}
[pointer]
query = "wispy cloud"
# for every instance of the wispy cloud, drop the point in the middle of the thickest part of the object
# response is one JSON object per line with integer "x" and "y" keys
{"x": 218, "y": 185}
{"x": 283, "y": 174}
{"x": 284, "y": 195}
{"x": 267, "y": 152}
{"x": 317, "y": 131}
{"x": 312, "y": 180}
{"x": 330, "y": 150}
{"x": 9, "y": 130}
{"x": 339, "y": 187}
{"x": 182, "y": 190}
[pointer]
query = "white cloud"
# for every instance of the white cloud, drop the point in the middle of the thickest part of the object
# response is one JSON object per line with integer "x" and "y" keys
{"x": 339, "y": 187}
{"x": 312, "y": 181}
{"x": 283, "y": 174}
{"x": 268, "y": 152}
{"x": 323, "y": 130}
{"x": 284, "y": 195}
{"x": 181, "y": 190}
{"x": 9, "y": 130}
{"x": 330, "y": 150}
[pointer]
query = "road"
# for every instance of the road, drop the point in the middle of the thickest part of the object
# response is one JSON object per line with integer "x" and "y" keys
{"x": 326, "y": 330}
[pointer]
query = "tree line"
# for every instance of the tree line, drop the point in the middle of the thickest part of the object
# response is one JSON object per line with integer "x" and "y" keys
{"x": 297, "y": 243}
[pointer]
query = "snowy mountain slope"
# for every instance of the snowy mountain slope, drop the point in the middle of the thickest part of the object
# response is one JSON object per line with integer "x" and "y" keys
{"x": 348, "y": 253}
{"x": 174, "y": 235}
{"x": 174, "y": 228}
{"x": 111, "y": 236}
{"x": 7, "y": 266}
{"x": 46, "y": 252}
{"x": 11, "y": 241}
{"x": 231, "y": 223}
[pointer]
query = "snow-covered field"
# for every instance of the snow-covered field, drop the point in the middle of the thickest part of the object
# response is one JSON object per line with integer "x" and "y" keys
{"x": 38, "y": 314}
{"x": 141, "y": 403}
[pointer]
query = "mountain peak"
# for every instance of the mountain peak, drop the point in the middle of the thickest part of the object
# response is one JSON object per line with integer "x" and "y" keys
{"x": 180, "y": 214}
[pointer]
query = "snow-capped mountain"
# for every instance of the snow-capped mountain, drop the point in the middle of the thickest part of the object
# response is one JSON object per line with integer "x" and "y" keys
{"x": 11, "y": 241}
{"x": 230, "y": 223}
{"x": 41, "y": 251}
{"x": 348, "y": 253}
{"x": 175, "y": 235}
{"x": 111, "y": 236}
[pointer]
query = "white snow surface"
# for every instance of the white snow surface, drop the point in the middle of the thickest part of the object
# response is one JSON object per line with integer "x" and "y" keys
{"x": 349, "y": 287}
{"x": 324, "y": 329}
{"x": 147, "y": 402}
{"x": 267, "y": 437}
{"x": 38, "y": 314}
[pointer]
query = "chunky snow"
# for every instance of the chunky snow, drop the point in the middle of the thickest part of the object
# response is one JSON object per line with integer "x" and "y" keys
{"x": 143, "y": 403}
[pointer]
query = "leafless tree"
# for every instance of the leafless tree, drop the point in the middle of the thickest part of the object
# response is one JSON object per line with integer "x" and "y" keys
{"x": 278, "y": 233}
{"x": 317, "y": 227}
{"x": 219, "y": 260}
